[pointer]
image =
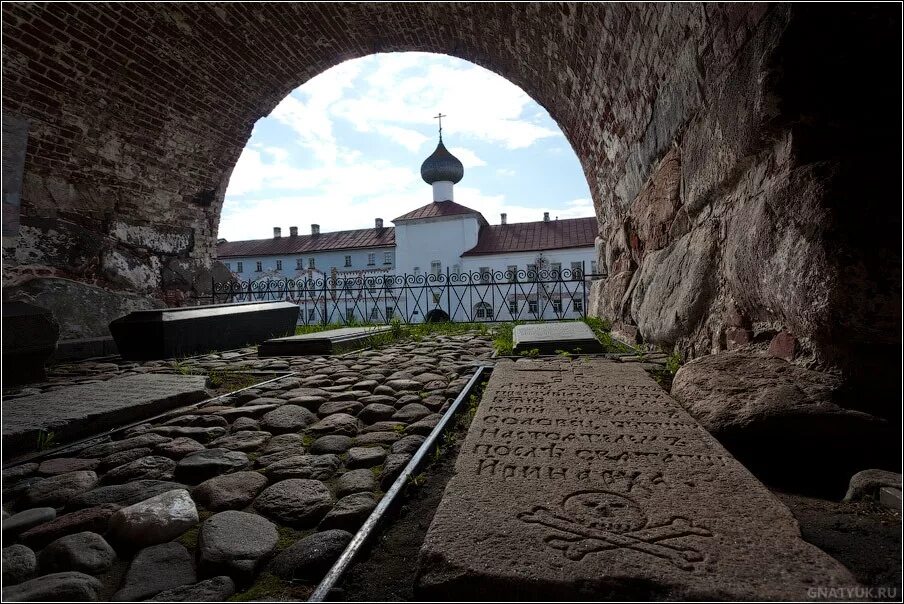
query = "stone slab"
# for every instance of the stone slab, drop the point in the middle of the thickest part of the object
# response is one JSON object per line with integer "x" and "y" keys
{"x": 582, "y": 479}
{"x": 890, "y": 497}
{"x": 86, "y": 409}
{"x": 548, "y": 338}
{"x": 331, "y": 341}
{"x": 176, "y": 332}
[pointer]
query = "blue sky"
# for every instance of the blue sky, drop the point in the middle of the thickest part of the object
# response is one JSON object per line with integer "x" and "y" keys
{"x": 346, "y": 147}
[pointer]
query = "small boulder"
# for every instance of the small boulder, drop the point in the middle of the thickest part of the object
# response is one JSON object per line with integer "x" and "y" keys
{"x": 19, "y": 563}
{"x": 217, "y": 589}
{"x": 26, "y": 519}
{"x": 356, "y": 481}
{"x": 349, "y": 513}
{"x": 311, "y": 557}
{"x": 297, "y": 502}
{"x": 59, "y": 587}
{"x": 288, "y": 418}
{"x": 229, "y": 491}
{"x": 337, "y": 423}
{"x": 364, "y": 457}
{"x": 234, "y": 543}
{"x": 154, "y": 520}
{"x": 331, "y": 443}
{"x": 155, "y": 569}
{"x": 85, "y": 552}
{"x": 205, "y": 464}
{"x": 56, "y": 491}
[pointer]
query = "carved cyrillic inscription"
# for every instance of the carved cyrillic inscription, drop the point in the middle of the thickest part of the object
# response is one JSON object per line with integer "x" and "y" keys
{"x": 579, "y": 472}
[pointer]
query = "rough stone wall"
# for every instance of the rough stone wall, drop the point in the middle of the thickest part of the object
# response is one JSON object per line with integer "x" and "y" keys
{"x": 769, "y": 217}
{"x": 138, "y": 112}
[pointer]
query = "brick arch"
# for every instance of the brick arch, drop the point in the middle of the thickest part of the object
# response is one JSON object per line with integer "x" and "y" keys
{"x": 684, "y": 118}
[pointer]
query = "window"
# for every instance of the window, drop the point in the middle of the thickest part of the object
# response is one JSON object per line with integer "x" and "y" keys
{"x": 511, "y": 272}
{"x": 513, "y": 307}
{"x": 279, "y": 265}
{"x": 557, "y": 306}
{"x": 228, "y": 267}
{"x": 348, "y": 261}
{"x": 259, "y": 266}
{"x": 388, "y": 313}
{"x": 312, "y": 312}
{"x": 371, "y": 259}
{"x": 239, "y": 268}
{"x": 531, "y": 271}
{"x": 416, "y": 271}
{"x": 593, "y": 267}
{"x": 575, "y": 270}
{"x": 456, "y": 269}
{"x": 436, "y": 297}
{"x": 299, "y": 264}
{"x": 577, "y": 304}
{"x": 310, "y": 263}
{"x": 484, "y": 274}
{"x": 374, "y": 314}
{"x": 483, "y": 310}
{"x": 556, "y": 270}
{"x": 532, "y": 307}
{"x": 349, "y": 315}
{"x": 387, "y": 257}
{"x": 436, "y": 267}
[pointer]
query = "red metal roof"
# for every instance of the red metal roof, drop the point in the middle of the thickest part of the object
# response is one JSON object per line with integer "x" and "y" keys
{"x": 338, "y": 240}
{"x": 535, "y": 236}
{"x": 437, "y": 209}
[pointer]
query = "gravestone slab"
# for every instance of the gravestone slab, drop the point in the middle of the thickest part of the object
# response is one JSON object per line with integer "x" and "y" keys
{"x": 331, "y": 341}
{"x": 582, "y": 479}
{"x": 176, "y": 332}
{"x": 548, "y": 338}
{"x": 86, "y": 409}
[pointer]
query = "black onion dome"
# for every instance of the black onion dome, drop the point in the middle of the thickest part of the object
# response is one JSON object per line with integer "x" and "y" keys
{"x": 442, "y": 165}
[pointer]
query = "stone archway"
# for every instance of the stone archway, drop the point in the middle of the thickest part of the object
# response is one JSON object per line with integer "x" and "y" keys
{"x": 738, "y": 183}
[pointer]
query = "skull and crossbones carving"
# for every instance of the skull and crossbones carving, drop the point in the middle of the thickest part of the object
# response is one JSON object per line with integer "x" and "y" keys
{"x": 595, "y": 521}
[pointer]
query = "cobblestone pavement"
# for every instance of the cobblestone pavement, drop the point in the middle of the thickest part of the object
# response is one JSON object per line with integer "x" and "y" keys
{"x": 197, "y": 504}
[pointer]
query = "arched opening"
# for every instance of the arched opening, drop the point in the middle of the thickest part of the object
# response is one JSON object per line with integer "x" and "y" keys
{"x": 703, "y": 146}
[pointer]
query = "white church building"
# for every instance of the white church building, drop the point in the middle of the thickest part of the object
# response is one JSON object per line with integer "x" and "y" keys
{"x": 442, "y": 257}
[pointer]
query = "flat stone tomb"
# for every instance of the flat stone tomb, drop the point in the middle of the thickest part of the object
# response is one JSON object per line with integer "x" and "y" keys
{"x": 321, "y": 342}
{"x": 581, "y": 479}
{"x": 175, "y": 332}
{"x": 90, "y": 408}
{"x": 548, "y": 338}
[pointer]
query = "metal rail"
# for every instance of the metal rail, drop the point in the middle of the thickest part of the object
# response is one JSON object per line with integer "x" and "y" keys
{"x": 367, "y": 529}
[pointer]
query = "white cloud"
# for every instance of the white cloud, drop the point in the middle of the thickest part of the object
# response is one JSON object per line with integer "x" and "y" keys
{"x": 296, "y": 170}
{"x": 410, "y": 139}
{"x": 409, "y": 89}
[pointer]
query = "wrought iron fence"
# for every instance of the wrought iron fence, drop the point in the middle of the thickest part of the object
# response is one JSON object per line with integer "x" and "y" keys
{"x": 541, "y": 295}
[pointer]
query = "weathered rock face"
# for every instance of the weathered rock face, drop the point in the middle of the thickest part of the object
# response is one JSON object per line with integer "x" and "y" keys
{"x": 731, "y": 148}
{"x": 748, "y": 225}
{"x": 784, "y": 422}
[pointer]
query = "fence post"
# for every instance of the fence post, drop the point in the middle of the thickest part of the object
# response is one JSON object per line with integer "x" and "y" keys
{"x": 323, "y": 320}
{"x": 449, "y": 296}
{"x": 584, "y": 286}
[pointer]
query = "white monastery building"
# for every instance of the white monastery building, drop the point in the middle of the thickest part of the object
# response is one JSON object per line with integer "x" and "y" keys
{"x": 442, "y": 257}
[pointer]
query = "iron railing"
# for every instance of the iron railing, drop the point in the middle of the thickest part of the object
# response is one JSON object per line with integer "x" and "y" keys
{"x": 542, "y": 295}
